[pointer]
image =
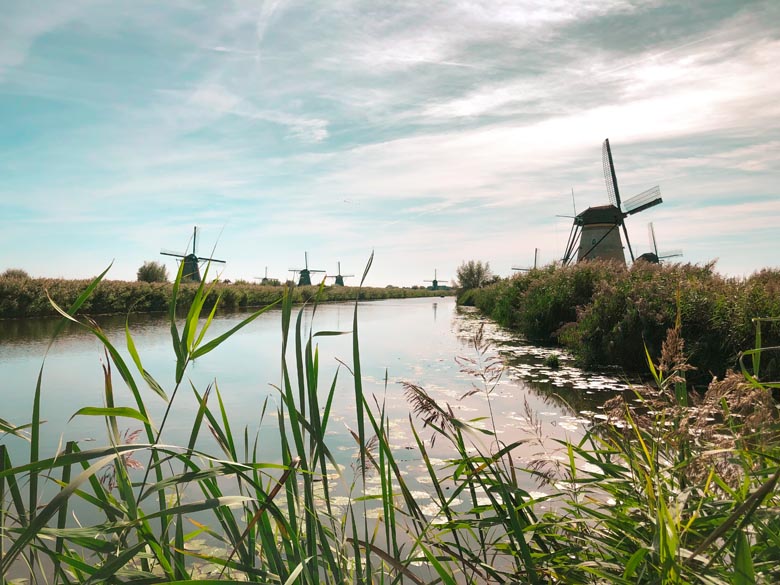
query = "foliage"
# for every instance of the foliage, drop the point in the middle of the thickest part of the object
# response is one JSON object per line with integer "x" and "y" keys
{"x": 152, "y": 272}
{"x": 473, "y": 274}
{"x": 606, "y": 313}
{"x": 28, "y": 298}
{"x": 552, "y": 361}
{"x": 15, "y": 273}
{"x": 661, "y": 499}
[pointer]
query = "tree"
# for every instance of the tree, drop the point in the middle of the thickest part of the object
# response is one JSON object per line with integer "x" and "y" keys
{"x": 152, "y": 272}
{"x": 474, "y": 274}
{"x": 15, "y": 273}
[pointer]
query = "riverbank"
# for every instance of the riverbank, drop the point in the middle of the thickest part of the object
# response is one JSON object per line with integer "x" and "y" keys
{"x": 27, "y": 297}
{"x": 608, "y": 314}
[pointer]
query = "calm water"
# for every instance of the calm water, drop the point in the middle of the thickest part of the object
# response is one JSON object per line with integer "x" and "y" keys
{"x": 408, "y": 340}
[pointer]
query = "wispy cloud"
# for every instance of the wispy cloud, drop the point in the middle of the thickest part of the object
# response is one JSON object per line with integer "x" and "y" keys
{"x": 403, "y": 127}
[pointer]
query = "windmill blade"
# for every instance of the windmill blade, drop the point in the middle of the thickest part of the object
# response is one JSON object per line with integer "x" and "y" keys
{"x": 651, "y": 230}
{"x": 644, "y": 200}
{"x": 628, "y": 242}
{"x": 609, "y": 174}
{"x": 200, "y": 259}
{"x": 172, "y": 253}
{"x": 670, "y": 254}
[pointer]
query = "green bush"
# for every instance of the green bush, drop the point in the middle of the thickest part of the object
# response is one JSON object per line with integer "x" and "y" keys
{"x": 152, "y": 272}
{"x": 607, "y": 314}
{"x": 15, "y": 273}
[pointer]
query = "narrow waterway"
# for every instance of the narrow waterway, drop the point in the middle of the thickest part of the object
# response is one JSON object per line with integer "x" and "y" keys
{"x": 425, "y": 342}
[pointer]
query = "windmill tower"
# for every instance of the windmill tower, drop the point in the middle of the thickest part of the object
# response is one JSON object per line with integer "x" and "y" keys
{"x": 191, "y": 271}
{"x": 655, "y": 256}
{"x": 435, "y": 281}
{"x": 596, "y": 231}
{"x": 305, "y": 273}
{"x": 339, "y": 278}
{"x": 263, "y": 279}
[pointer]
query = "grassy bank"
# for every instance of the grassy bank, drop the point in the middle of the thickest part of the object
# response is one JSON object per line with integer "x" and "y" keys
{"x": 688, "y": 495}
{"x": 606, "y": 314}
{"x": 27, "y": 297}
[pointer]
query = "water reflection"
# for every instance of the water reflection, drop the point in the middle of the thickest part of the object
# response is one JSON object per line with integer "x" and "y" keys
{"x": 399, "y": 343}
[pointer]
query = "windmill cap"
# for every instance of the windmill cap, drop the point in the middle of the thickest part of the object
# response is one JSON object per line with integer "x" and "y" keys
{"x": 599, "y": 214}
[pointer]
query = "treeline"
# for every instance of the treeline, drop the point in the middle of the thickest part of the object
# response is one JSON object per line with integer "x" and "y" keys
{"x": 27, "y": 297}
{"x": 606, "y": 313}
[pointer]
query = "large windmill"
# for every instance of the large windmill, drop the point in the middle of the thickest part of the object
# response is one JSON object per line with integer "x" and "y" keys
{"x": 596, "y": 231}
{"x": 435, "y": 281}
{"x": 339, "y": 278}
{"x": 305, "y": 273}
{"x": 192, "y": 262}
{"x": 655, "y": 256}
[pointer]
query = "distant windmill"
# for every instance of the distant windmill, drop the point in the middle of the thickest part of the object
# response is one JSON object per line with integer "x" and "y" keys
{"x": 536, "y": 258}
{"x": 434, "y": 282}
{"x": 192, "y": 261}
{"x": 595, "y": 232}
{"x": 305, "y": 273}
{"x": 655, "y": 256}
{"x": 340, "y": 277}
{"x": 263, "y": 279}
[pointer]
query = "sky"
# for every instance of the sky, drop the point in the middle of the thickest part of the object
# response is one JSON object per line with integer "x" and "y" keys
{"x": 428, "y": 132}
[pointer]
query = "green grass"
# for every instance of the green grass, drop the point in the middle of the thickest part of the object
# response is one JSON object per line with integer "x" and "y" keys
{"x": 667, "y": 498}
{"x": 29, "y": 297}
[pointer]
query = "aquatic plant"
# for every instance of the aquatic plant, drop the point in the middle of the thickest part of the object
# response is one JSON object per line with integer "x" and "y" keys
{"x": 644, "y": 501}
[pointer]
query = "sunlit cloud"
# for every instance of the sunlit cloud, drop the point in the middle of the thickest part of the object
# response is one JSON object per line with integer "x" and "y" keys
{"x": 430, "y": 135}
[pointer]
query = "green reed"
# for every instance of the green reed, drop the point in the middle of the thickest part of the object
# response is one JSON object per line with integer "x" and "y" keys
{"x": 668, "y": 497}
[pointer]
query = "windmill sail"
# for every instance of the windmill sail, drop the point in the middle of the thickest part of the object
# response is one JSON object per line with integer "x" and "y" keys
{"x": 644, "y": 200}
{"x": 610, "y": 178}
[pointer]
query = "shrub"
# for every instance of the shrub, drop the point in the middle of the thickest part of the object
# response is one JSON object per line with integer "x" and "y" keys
{"x": 152, "y": 272}
{"x": 473, "y": 274}
{"x": 607, "y": 314}
{"x": 15, "y": 273}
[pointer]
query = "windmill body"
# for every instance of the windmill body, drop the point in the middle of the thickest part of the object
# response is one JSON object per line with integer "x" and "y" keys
{"x": 304, "y": 278}
{"x": 599, "y": 234}
{"x": 192, "y": 262}
{"x": 656, "y": 257}
{"x": 435, "y": 281}
{"x": 595, "y": 233}
{"x": 339, "y": 278}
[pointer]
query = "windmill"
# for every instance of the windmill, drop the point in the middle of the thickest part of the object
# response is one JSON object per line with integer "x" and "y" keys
{"x": 340, "y": 277}
{"x": 191, "y": 271}
{"x": 536, "y": 258}
{"x": 434, "y": 282}
{"x": 305, "y": 273}
{"x": 264, "y": 279}
{"x": 595, "y": 232}
{"x": 655, "y": 256}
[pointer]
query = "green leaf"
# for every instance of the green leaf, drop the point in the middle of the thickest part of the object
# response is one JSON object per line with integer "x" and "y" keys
{"x": 124, "y": 411}
{"x": 216, "y": 342}
{"x": 744, "y": 572}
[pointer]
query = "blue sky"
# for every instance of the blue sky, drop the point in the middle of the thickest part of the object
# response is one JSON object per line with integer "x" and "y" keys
{"x": 430, "y": 132}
